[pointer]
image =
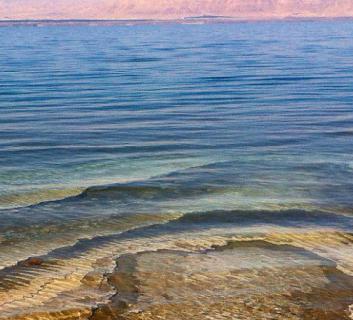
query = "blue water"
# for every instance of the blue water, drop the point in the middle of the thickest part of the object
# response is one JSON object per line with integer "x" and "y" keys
{"x": 101, "y": 124}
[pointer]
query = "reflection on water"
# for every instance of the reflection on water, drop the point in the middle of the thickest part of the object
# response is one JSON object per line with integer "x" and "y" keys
{"x": 121, "y": 140}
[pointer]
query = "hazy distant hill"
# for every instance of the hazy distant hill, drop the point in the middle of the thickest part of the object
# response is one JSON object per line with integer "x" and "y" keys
{"x": 172, "y": 9}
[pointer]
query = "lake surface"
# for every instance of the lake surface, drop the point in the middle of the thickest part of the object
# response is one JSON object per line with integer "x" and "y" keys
{"x": 110, "y": 129}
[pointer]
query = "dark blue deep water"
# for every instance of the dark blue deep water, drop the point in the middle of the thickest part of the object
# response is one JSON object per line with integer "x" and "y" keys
{"x": 99, "y": 125}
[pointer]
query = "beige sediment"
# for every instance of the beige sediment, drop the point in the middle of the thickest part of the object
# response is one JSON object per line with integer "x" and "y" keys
{"x": 71, "y": 288}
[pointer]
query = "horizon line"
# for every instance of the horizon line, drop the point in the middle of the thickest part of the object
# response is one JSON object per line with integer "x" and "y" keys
{"x": 187, "y": 18}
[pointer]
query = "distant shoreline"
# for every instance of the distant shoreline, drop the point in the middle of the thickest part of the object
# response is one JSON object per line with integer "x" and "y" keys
{"x": 127, "y": 22}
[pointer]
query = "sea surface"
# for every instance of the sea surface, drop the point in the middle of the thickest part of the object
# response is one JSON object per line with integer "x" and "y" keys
{"x": 107, "y": 131}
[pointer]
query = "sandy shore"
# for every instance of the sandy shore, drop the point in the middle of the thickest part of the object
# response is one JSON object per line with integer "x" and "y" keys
{"x": 208, "y": 274}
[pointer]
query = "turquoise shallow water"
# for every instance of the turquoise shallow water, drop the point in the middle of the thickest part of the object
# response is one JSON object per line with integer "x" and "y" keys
{"x": 99, "y": 125}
